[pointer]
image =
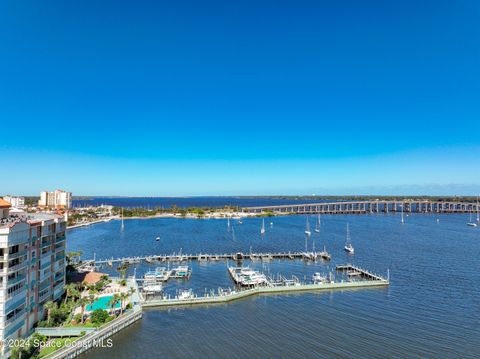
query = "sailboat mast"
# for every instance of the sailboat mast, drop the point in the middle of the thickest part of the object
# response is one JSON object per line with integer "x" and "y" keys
{"x": 478, "y": 213}
{"x": 348, "y": 233}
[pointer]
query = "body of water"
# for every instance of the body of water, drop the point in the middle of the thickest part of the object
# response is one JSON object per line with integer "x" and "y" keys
{"x": 430, "y": 310}
{"x": 183, "y": 202}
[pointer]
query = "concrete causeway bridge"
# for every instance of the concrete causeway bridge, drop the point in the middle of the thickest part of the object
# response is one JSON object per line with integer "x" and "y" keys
{"x": 366, "y": 207}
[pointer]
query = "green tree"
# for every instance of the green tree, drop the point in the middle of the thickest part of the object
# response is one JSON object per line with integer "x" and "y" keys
{"x": 50, "y": 306}
{"x": 99, "y": 316}
{"x": 71, "y": 291}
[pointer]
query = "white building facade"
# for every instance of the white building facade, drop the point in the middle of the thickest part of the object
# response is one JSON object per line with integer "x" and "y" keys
{"x": 15, "y": 201}
{"x": 58, "y": 199}
{"x": 32, "y": 270}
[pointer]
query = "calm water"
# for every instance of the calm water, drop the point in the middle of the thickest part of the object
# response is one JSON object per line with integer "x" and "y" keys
{"x": 183, "y": 202}
{"x": 430, "y": 310}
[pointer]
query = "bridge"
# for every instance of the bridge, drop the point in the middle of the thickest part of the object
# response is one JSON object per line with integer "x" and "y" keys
{"x": 365, "y": 207}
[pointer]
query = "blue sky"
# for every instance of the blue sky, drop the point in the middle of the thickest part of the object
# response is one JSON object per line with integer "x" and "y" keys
{"x": 240, "y": 97}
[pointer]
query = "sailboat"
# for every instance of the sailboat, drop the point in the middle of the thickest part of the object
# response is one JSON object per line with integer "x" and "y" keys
{"x": 262, "y": 230}
{"x": 228, "y": 223}
{"x": 123, "y": 225}
{"x": 307, "y": 229}
{"x": 348, "y": 245}
{"x": 402, "y": 214}
{"x": 478, "y": 212}
{"x": 470, "y": 222}
{"x": 317, "y": 227}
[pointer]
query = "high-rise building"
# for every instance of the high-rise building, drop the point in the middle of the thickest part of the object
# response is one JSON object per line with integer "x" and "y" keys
{"x": 57, "y": 199}
{"x": 15, "y": 201}
{"x": 32, "y": 269}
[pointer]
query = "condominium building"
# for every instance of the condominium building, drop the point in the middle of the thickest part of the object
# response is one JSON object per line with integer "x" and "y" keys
{"x": 32, "y": 269}
{"x": 57, "y": 199}
{"x": 17, "y": 202}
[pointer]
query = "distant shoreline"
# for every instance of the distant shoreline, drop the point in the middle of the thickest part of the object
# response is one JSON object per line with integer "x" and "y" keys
{"x": 223, "y": 215}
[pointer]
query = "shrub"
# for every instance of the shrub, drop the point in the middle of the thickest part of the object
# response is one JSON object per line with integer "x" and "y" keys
{"x": 99, "y": 316}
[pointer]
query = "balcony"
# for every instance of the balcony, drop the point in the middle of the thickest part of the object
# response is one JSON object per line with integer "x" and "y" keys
{"x": 10, "y": 256}
{"x": 44, "y": 297}
{"x": 15, "y": 317}
{"x": 16, "y": 267}
{"x": 13, "y": 281}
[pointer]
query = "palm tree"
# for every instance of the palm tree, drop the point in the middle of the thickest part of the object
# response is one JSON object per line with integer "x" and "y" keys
{"x": 123, "y": 297}
{"x": 49, "y": 306}
{"x": 71, "y": 291}
{"x": 113, "y": 302}
{"x": 83, "y": 302}
{"x": 90, "y": 300}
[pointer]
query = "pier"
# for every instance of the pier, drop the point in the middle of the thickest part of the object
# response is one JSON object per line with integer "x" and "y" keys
{"x": 202, "y": 257}
{"x": 364, "y": 279}
{"x": 367, "y": 207}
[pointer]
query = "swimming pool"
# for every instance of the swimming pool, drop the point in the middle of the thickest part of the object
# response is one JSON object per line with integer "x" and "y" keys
{"x": 102, "y": 303}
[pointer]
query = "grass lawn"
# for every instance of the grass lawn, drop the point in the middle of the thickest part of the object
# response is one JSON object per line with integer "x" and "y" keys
{"x": 55, "y": 344}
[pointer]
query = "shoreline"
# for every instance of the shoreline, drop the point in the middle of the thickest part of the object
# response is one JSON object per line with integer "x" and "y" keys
{"x": 220, "y": 215}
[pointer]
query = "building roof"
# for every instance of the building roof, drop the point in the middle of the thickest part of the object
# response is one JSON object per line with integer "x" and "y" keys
{"x": 88, "y": 277}
{"x": 4, "y": 204}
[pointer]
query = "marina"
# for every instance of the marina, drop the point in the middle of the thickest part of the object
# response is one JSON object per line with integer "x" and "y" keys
{"x": 300, "y": 293}
{"x": 259, "y": 284}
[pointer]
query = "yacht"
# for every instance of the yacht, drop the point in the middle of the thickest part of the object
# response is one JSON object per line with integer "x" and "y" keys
{"x": 348, "y": 245}
{"x": 182, "y": 272}
{"x": 318, "y": 278}
{"x": 157, "y": 239}
{"x": 152, "y": 287}
{"x": 245, "y": 276}
{"x": 185, "y": 294}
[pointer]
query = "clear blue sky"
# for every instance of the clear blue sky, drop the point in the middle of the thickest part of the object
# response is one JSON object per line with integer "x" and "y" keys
{"x": 240, "y": 97}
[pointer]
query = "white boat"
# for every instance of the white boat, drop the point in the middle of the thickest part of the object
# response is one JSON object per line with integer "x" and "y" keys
{"x": 348, "y": 245}
{"x": 271, "y": 224}
{"x": 262, "y": 230}
{"x": 123, "y": 225}
{"x": 471, "y": 223}
{"x": 152, "y": 288}
{"x": 182, "y": 272}
{"x": 158, "y": 238}
{"x": 318, "y": 278}
{"x": 317, "y": 227}
{"x": 307, "y": 228}
{"x": 228, "y": 223}
{"x": 402, "y": 220}
{"x": 245, "y": 276}
{"x": 185, "y": 294}
{"x": 478, "y": 212}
